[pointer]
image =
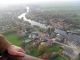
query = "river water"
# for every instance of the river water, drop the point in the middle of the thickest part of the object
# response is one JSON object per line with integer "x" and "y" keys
{"x": 32, "y": 22}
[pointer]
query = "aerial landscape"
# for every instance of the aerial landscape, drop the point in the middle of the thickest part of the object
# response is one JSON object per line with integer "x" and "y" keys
{"x": 49, "y": 31}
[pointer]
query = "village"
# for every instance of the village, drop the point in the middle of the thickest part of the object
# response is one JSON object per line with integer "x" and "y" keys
{"x": 42, "y": 35}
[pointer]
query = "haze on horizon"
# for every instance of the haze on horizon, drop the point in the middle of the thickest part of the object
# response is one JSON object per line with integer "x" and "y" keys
{"x": 13, "y": 2}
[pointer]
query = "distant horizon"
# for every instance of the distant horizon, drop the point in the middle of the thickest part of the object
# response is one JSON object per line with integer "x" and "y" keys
{"x": 8, "y": 3}
{"x": 15, "y": 2}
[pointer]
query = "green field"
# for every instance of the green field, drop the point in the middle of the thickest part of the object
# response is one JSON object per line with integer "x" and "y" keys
{"x": 55, "y": 48}
{"x": 12, "y": 37}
